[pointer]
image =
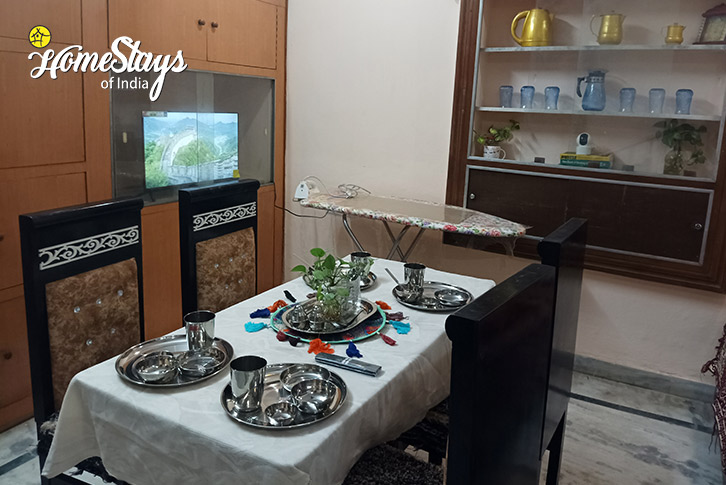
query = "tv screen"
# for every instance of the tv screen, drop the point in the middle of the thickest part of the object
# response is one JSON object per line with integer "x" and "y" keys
{"x": 187, "y": 147}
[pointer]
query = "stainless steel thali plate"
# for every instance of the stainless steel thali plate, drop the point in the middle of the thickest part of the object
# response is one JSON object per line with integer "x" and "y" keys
{"x": 367, "y": 308}
{"x": 455, "y": 297}
{"x": 176, "y": 344}
{"x": 275, "y": 393}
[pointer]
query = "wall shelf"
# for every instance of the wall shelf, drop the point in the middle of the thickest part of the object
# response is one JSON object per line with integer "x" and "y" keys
{"x": 598, "y": 48}
{"x": 671, "y": 116}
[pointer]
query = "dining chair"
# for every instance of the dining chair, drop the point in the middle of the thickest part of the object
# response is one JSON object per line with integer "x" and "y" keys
{"x": 498, "y": 387}
{"x": 563, "y": 249}
{"x": 218, "y": 232}
{"x": 82, "y": 279}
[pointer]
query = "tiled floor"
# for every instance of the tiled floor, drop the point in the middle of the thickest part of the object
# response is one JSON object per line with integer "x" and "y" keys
{"x": 616, "y": 434}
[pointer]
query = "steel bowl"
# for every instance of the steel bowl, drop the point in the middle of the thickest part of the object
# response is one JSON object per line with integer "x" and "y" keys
{"x": 194, "y": 363}
{"x": 314, "y": 396}
{"x": 281, "y": 413}
{"x": 298, "y": 373}
{"x": 451, "y": 297}
{"x": 156, "y": 367}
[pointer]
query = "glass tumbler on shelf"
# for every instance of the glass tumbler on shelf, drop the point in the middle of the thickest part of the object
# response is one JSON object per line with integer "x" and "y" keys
{"x": 683, "y": 101}
{"x": 505, "y": 96}
{"x": 656, "y": 98}
{"x": 527, "y": 93}
{"x": 627, "y": 98}
{"x": 552, "y": 94}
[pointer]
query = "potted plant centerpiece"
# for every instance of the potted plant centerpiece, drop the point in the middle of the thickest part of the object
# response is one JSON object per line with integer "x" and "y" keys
{"x": 336, "y": 283}
{"x": 491, "y": 139}
{"x": 679, "y": 137}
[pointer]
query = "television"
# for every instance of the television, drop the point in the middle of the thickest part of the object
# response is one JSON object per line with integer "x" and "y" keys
{"x": 184, "y": 147}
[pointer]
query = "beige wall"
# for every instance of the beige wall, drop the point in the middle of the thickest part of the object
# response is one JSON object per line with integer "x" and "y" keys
{"x": 370, "y": 86}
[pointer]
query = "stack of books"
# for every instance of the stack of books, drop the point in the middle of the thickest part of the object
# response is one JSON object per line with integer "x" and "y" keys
{"x": 572, "y": 159}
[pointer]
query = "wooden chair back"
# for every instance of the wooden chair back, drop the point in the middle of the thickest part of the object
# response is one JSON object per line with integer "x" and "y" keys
{"x": 218, "y": 234}
{"x": 563, "y": 249}
{"x": 82, "y": 275}
{"x": 500, "y": 357}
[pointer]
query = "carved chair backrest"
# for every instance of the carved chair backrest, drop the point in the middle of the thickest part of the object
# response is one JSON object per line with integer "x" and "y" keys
{"x": 218, "y": 233}
{"x": 82, "y": 278}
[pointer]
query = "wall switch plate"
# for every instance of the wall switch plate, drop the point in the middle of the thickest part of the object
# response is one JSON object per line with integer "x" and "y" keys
{"x": 301, "y": 192}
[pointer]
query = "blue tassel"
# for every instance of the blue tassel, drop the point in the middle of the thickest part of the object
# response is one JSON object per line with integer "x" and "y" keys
{"x": 254, "y": 327}
{"x": 353, "y": 351}
{"x": 401, "y": 327}
{"x": 261, "y": 313}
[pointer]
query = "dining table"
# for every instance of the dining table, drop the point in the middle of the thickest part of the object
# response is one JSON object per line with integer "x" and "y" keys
{"x": 147, "y": 435}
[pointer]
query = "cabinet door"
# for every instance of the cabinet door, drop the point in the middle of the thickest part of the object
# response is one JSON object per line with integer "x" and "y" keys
{"x": 16, "y": 403}
{"x": 30, "y": 195}
{"x": 646, "y": 220}
{"x": 246, "y": 33}
{"x": 162, "y": 26}
{"x": 63, "y": 19}
{"x": 42, "y": 119}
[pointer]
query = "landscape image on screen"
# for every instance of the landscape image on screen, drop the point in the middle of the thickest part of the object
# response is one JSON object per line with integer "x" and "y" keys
{"x": 187, "y": 147}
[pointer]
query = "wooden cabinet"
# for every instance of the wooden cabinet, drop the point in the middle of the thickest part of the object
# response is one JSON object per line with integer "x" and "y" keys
{"x": 18, "y": 17}
{"x": 246, "y": 33}
{"x": 42, "y": 120}
{"x": 31, "y": 194}
{"x": 241, "y": 32}
{"x": 15, "y": 400}
{"x": 648, "y": 216}
{"x": 162, "y": 26}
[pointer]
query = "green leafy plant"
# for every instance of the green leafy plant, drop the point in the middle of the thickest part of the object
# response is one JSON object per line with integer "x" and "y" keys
{"x": 495, "y": 135}
{"x": 326, "y": 275}
{"x": 678, "y": 137}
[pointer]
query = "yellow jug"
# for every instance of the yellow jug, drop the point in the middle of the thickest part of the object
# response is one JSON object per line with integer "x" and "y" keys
{"x": 537, "y": 27}
{"x": 611, "y": 28}
{"x": 674, "y": 34}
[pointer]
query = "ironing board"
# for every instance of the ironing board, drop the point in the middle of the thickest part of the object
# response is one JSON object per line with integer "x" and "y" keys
{"x": 414, "y": 213}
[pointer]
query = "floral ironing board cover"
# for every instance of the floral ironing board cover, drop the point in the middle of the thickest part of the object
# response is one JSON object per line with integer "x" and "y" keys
{"x": 428, "y": 215}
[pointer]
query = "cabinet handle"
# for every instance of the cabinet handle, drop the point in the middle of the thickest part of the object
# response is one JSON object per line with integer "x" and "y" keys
{"x": 472, "y": 196}
{"x": 8, "y": 355}
{"x": 215, "y": 25}
{"x": 201, "y": 22}
{"x": 2, "y": 236}
{"x": 697, "y": 226}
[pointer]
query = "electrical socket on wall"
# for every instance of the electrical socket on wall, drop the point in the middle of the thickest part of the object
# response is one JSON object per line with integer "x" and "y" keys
{"x": 301, "y": 192}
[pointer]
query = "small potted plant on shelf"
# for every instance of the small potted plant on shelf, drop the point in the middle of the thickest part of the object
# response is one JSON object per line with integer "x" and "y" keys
{"x": 333, "y": 279}
{"x": 493, "y": 136}
{"x": 681, "y": 137}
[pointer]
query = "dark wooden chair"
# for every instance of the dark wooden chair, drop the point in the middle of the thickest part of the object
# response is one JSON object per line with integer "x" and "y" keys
{"x": 499, "y": 366}
{"x": 498, "y": 389}
{"x": 83, "y": 300}
{"x": 218, "y": 233}
{"x": 563, "y": 249}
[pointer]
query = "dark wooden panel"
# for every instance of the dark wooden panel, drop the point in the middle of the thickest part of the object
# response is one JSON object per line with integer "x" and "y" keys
{"x": 654, "y": 221}
{"x": 539, "y": 203}
{"x": 644, "y": 220}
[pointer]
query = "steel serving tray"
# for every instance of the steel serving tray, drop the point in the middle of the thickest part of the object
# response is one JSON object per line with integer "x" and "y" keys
{"x": 176, "y": 344}
{"x": 274, "y": 393}
{"x": 368, "y": 308}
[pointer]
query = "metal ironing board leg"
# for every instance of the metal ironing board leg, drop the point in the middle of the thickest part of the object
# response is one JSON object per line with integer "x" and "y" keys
{"x": 396, "y": 241}
{"x": 350, "y": 233}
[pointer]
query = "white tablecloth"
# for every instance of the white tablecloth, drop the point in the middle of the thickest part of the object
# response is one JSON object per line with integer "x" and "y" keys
{"x": 149, "y": 436}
